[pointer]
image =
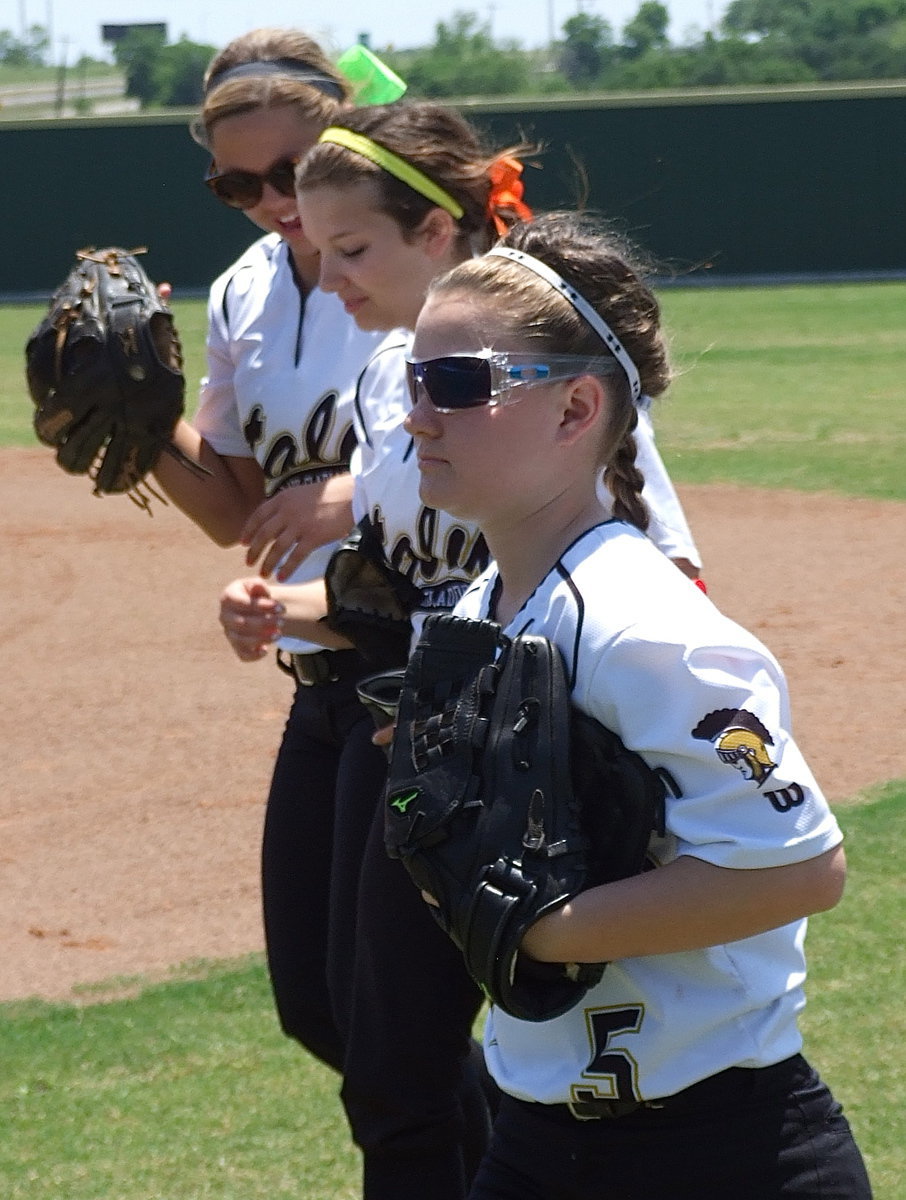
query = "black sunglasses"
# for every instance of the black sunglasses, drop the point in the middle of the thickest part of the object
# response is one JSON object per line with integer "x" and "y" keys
{"x": 244, "y": 189}
{"x": 459, "y": 381}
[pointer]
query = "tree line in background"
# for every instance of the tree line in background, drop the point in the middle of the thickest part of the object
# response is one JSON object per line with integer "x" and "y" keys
{"x": 757, "y": 42}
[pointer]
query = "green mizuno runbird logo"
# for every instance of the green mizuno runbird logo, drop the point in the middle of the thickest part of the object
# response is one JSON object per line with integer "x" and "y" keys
{"x": 402, "y": 801}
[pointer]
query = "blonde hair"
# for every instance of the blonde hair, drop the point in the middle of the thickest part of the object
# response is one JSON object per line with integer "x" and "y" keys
{"x": 605, "y": 269}
{"x": 310, "y": 83}
{"x": 437, "y": 141}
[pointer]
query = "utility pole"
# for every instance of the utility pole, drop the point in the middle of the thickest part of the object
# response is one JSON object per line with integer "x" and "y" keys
{"x": 61, "y": 78}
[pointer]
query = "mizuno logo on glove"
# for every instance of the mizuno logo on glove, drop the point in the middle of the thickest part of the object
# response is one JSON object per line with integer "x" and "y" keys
{"x": 402, "y": 802}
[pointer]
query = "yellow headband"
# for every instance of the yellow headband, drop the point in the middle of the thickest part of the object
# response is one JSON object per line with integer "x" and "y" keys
{"x": 395, "y": 166}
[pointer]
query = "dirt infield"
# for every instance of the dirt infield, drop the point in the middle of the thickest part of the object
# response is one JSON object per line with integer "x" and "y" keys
{"x": 137, "y": 750}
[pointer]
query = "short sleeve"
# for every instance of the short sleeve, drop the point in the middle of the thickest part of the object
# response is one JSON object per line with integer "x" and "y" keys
{"x": 714, "y": 718}
{"x": 217, "y": 417}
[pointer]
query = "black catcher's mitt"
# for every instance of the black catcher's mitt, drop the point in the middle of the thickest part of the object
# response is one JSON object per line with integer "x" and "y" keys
{"x": 104, "y": 369}
{"x": 503, "y": 802}
{"x": 368, "y": 601}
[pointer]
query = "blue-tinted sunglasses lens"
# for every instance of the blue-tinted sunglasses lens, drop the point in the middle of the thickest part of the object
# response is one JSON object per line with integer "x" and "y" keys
{"x": 453, "y": 383}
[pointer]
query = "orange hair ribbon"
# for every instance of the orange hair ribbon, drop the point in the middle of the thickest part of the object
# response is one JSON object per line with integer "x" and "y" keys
{"x": 507, "y": 190}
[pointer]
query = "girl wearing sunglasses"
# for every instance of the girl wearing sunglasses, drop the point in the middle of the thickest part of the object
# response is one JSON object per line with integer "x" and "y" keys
{"x": 275, "y": 428}
{"x": 264, "y": 401}
{"x": 679, "y": 1076}
{"x": 392, "y": 198}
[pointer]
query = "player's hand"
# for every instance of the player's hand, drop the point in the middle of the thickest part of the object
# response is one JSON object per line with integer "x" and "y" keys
{"x": 251, "y": 619}
{"x": 283, "y": 530}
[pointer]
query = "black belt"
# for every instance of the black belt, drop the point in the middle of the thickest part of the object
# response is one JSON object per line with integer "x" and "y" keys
{"x": 309, "y": 670}
{"x": 734, "y": 1084}
{"x": 596, "y": 1108}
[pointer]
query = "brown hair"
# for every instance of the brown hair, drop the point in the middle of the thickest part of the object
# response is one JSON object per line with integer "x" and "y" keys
{"x": 607, "y": 271}
{"x": 439, "y": 142}
{"x": 306, "y": 65}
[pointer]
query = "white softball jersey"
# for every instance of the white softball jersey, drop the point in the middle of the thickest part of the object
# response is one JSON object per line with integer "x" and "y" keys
{"x": 282, "y": 373}
{"x": 704, "y": 702}
{"x": 436, "y": 551}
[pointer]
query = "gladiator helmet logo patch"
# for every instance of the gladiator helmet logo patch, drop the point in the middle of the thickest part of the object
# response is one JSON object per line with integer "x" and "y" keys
{"x": 739, "y": 739}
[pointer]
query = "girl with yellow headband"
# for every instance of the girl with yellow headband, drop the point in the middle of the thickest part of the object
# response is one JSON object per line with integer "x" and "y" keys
{"x": 374, "y": 188}
{"x": 400, "y": 997}
{"x": 392, "y": 198}
{"x": 422, "y": 181}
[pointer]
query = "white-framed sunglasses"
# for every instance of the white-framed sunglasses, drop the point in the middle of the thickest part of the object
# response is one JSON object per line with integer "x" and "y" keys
{"x": 458, "y": 381}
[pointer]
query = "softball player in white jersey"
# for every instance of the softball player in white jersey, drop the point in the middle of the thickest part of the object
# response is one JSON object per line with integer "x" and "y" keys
{"x": 276, "y": 412}
{"x": 680, "y": 1074}
{"x": 378, "y": 199}
{"x": 283, "y": 364}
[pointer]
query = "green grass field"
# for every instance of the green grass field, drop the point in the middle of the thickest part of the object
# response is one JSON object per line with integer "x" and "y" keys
{"x": 801, "y": 387}
{"x": 187, "y": 1090}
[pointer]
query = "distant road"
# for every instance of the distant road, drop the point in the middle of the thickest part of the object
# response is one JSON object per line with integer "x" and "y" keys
{"x": 105, "y": 94}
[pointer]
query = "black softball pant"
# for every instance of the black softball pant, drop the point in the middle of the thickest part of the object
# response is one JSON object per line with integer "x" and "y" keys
{"x": 416, "y": 1091}
{"x": 770, "y": 1134}
{"x": 361, "y": 974}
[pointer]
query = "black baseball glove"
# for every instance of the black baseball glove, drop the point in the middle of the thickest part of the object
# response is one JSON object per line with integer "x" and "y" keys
{"x": 104, "y": 369}
{"x": 368, "y": 601}
{"x": 503, "y": 802}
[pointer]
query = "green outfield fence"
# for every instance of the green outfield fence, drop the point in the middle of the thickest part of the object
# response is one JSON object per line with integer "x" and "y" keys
{"x": 721, "y": 186}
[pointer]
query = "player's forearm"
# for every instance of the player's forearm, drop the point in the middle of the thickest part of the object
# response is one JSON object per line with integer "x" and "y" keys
{"x": 305, "y": 606}
{"x": 686, "y": 905}
{"x": 219, "y": 502}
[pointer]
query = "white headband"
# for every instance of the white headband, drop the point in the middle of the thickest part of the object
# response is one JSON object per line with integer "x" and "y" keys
{"x": 585, "y": 310}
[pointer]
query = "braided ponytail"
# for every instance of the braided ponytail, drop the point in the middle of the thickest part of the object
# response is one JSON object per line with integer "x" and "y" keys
{"x": 625, "y": 481}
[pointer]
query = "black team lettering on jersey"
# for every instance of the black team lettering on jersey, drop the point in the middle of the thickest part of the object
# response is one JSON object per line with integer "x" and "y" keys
{"x": 315, "y": 455}
{"x": 463, "y": 552}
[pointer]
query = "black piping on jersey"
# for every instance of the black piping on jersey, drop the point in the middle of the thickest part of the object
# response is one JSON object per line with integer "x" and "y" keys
{"x": 580, "y": 620}
{"x": 560, "y": 569}
{"x": 300, "y": 288}
{"x": 303, "y": 296}
{"x": 223, "y": 300}
{"x": 360, "y": 423}
{"x": 494, "y": 600}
